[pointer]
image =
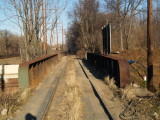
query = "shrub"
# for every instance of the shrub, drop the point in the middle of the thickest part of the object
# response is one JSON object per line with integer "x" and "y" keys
{"x": 81, "y": 54}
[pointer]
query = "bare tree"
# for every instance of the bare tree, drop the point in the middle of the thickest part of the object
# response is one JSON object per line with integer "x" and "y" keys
{"x": 125, "y": 11}
{"x": 86, "y": 12}
{"x": 28, "y": 15}
{"x": 9, "y": 43}
{"x": 5, "y": 35}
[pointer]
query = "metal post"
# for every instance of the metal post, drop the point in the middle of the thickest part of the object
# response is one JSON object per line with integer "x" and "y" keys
{"x": 150, "y": 46}
{"x": 62, "y": 37}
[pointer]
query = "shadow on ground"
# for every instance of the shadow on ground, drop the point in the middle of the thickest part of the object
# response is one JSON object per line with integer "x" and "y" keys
{"x": 96, "y": 72}
{"x": 96, "y": 94}
{"x": 30, "y": 117}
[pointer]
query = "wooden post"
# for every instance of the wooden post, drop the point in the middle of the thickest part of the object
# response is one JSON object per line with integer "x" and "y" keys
{"x": 150, "y": 46}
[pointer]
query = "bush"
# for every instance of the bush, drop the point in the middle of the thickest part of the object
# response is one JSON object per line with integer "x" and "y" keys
{"x": 9, "y": 104}
{"x": 81, "y": 54}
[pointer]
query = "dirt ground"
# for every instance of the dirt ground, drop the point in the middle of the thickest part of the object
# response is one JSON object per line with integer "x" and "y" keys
{"x": 67, "y": 103}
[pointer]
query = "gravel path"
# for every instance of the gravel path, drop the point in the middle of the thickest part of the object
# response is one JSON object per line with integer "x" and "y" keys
{"x": 75, "y": 98}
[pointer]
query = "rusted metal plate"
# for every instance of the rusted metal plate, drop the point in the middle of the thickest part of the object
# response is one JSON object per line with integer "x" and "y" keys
{"x": 33, "y": 72}
{"x": 112, "y": 66}
{"x": 38, "y": 59}
{"x": 124, "y": 72}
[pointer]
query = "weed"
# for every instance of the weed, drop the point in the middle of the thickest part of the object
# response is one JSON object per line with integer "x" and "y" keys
{"x": 110, "y": 82}
{"x": 9, "y": 104}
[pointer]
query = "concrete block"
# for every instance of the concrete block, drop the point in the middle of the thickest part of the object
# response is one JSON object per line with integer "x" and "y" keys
{"x": 9, "y": 69}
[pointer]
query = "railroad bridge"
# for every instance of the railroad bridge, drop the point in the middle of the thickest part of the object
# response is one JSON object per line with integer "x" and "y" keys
{"x": 67, "y": 87}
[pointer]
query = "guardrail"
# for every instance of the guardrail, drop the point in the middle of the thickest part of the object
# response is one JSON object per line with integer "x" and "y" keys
{"x": 33, "y": 72}
{"x": 114, "y": 67}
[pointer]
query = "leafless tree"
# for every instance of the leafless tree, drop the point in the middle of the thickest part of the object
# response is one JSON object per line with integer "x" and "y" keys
{"x": 29, "y": 15}
{"x": 125, "y": 10}
{"x": 86, "y": 12}
{"x": 9, "y": 43}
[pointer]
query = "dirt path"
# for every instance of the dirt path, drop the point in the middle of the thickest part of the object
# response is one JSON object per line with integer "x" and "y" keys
{"x": 67, "y": 103}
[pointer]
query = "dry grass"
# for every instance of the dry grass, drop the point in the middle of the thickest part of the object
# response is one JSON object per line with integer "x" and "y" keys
{"x": 67, "y": 104}
{"x": 9, "y": 103}
{"x": 130, "y": 92}
{"x": 140, "y": 103}
{"x": 110, "y": 82}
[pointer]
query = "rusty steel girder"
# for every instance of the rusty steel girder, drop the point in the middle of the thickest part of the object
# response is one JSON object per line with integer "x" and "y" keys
{"x": 112, "y": 66}
{"x": 33, "y": 72}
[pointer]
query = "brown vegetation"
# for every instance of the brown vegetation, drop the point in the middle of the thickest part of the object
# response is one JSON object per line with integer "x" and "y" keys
{"x": 9, "y": 44}
{"x": 127, "y": 17}
{"x": 9, "y": 104}
{"x": 139, "y": 69}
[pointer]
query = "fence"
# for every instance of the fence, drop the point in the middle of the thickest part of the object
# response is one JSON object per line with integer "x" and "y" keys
{"x": 114, "y": 67}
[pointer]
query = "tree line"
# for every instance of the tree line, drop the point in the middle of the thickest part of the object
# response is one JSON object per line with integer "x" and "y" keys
{"x": 128, "y": 19}
{"x": 9, "y": 44}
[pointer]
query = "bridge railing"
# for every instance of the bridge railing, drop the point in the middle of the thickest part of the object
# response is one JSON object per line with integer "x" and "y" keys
{"x": 31, "y": 73}
{"x": 114, "y": 67}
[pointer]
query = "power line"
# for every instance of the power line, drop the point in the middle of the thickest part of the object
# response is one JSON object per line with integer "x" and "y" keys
{"x": 44, "y": 31}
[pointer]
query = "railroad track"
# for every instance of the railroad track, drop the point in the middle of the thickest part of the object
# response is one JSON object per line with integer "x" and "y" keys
{"x": 67, "y": 93}
{"x": 86, "y": 97}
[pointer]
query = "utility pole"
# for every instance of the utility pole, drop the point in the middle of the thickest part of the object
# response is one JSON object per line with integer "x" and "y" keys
{"x": 150, "y": 45}
{"x": 44, "y": 30}
{"x": 57, "y": 34}
{"x": 44, "y": 27}
{"x": 62, "y": 36}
